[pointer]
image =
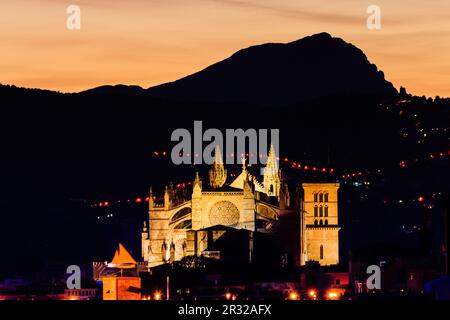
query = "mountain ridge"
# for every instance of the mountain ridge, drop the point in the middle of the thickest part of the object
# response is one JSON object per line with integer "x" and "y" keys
{"x": 312, "y": 67}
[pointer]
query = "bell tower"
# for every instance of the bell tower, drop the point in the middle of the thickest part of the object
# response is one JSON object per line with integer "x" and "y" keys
{"x": 319, "y": 223}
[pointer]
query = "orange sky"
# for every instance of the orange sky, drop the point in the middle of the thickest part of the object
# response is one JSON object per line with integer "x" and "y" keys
{"x": 147, "y": 42}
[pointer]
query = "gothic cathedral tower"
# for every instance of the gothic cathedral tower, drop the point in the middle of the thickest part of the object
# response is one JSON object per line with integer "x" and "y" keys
{"x": 218, "y": 173}
{"x": 272, "y": 179}
{"x": 319, "y": 223}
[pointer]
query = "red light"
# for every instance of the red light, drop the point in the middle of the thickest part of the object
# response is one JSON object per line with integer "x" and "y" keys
{"x": 138, "y": 200}
{"x": 324, "y": 170}
{"x": 314, "y": 168}
{"x": 331, "y": 170}
{"x": 147, "y": 199}
{"x": 106, "y": 203}
{"x": 100, "y": 204}
{"x": 306, "y": 168}
{"x": 421, "y": 199}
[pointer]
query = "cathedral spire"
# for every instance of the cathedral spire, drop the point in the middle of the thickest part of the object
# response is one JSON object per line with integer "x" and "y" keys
{"x": 218, "y": 173}
{"x": 197, "y": 190}
{"x": 272, "y": 163}
{"x": 272, "y": 174}
{"x": 244, "y": 160}
{"x": 167, "y": 198}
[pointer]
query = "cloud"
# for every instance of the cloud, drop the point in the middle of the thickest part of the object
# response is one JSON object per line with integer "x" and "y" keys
{"x": 297, "y": 13}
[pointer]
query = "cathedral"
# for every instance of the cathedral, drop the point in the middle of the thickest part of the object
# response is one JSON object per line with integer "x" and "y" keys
{"x": 185, "y": 225}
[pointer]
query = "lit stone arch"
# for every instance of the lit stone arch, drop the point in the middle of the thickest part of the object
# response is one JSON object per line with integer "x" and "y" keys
{"x": 185, "y": 224}
{"x": 266, "y": 212}
{"x": 180, "y": 214}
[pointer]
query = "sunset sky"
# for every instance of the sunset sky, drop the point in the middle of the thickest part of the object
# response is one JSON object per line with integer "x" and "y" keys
{"x": 148, "y": 42}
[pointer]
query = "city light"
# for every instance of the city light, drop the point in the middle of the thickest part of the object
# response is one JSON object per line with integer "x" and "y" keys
{"x": 312, "y": 294}
{"x": 228, "y": 296}
{"x": 332, "y": 295}
{"x": 158, "y": 295}
{"x": 293, "y": 296}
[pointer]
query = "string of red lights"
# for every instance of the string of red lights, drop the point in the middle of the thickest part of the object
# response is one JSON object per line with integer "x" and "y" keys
{"x": 296, "y": 165}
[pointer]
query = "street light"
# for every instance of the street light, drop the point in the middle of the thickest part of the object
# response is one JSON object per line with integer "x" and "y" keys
{"x": 312, "y": 294}
{"x": 157, "y": 295}
{"x": 293, "y": 296}
{"x": 332, "y": 295}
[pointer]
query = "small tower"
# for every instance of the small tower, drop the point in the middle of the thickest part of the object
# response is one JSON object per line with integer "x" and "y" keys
{"x": 218, "y": 173}
{"x": 145, "y": 231}
{"x": 196, "y": 203}
{"x": 166, "y": 199}
{"x": 150, "y": 199}
{"x": 144, "y": 239}
{"x": 272, "y": 174}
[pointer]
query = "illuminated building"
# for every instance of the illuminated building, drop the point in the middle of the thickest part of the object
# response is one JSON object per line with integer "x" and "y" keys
{"x": 319, "y": 223}
{"x": 179, "y": 226}
{"x": 119, "y": 287}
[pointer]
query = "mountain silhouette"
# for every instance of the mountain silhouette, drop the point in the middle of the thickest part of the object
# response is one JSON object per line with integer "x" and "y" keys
{"x": 309, "y": 68}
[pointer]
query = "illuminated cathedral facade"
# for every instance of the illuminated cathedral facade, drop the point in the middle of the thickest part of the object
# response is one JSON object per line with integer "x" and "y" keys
{"x": 181, "y": 225}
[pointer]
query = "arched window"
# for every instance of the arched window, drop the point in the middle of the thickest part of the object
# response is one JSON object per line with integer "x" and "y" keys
{"x": 326, "y": 211}
{"x": 320, "y": 197}
{"x": 315, "y": 196}
{"x": 321, "y": 222}
{"x": 321, "y": 211}
{"x": 326, "y": 197}
{"x": 315, "y": 211}
{"x": 321, "y": 252}
{"x": 315, "y": 222}
{"x": 326, "y": 222}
